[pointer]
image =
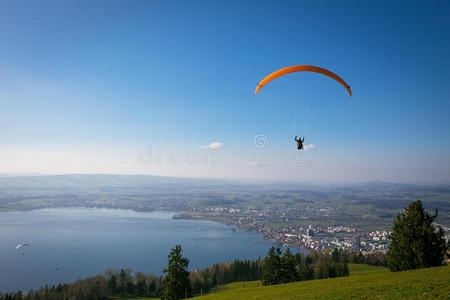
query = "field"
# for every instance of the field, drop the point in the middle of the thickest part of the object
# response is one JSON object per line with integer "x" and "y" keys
{"x": 361, "y": 269}
{"x": 365, "y": 283}
{"x": 134, "y": 298}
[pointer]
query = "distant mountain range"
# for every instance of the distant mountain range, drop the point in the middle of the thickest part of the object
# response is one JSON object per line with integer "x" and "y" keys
{"x": 148, "y": 180}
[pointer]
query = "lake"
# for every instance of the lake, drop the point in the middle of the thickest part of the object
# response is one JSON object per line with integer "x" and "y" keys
{"x": 71, "y": 243}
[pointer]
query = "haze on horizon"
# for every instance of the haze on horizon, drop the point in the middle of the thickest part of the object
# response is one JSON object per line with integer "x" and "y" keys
{"x": 168, "y": 89}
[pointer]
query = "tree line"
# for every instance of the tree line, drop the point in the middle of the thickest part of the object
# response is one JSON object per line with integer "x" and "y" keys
{"x": 178, "y": 283}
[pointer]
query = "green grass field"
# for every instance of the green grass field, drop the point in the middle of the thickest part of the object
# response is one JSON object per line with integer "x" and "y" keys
{"x": 135, "y": 298}
{"x": 361, "y": 269}
{"x": 365, "y": 282}
{"x": 355, "y": 269}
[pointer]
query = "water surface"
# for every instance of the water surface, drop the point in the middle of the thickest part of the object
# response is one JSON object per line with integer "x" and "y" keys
{"x": 71, "y": 243}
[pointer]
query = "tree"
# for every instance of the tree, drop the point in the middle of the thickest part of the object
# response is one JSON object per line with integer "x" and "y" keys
{"x": 272, "y": 263}
{"x": 335, "y": 255}
{"x": 345, "y": 270}
{"x": 176, "y": 284}
{"x": 333, "y": 270}
{"x": 360, "y": 258}
{"x": 288, "y": 270}
{"x": 123, "y": 282}
{"x": 112, "y": 285}
{"x": 151, "y": 288}
{"x": 130, "y": 288}
{"x": 141, "y": 288}
{"x": 415, "y": 242}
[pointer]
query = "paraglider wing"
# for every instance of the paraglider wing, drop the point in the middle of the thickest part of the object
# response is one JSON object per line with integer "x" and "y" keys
{"x": 22, "y": 245}
{"x": 300, "y": 68}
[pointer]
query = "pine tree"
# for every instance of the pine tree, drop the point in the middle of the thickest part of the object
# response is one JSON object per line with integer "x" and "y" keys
{"x": 176, "y": 284}
{"x": 345, "y": 270}
{"x": 415, "y": 242}
{"x": 272, "y": 264}
{"x": 360, "y": 259}
{"x": 288, "y": 270}
{"x": 151, "y": 288}
{"x": 335, "y": 255}
{"x": 112, "y": 285}
{"x": 333, "y": 270}
{"x": 141, "y": 287}
{"x": 130, "y": 288}
{"x": 123, "y": 283}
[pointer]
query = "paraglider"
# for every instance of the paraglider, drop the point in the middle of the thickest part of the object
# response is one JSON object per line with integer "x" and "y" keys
{"x": 301, "y": 68}
{"x": 21, "y": 246}
{"x": 299, "y": 142}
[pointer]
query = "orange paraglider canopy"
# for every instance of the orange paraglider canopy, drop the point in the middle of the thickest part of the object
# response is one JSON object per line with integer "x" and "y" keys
{"x": 292, "y": 69}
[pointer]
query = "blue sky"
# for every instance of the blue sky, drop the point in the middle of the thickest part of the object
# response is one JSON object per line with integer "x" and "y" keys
{"x": 85, "y": 85}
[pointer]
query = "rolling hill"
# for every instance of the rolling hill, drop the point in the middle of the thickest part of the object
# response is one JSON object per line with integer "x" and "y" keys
{"x": 365, "y": 282}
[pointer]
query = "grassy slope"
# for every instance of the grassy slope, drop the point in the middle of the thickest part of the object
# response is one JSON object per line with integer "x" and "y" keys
{"x": 355, "y": 269}
{"x": 133, "y": 298}
{"x": 368, "y": 284}
{"x": 361, "y": 269}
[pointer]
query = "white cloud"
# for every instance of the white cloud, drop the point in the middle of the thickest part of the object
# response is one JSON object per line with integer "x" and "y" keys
{"x": 309, "y": 147}
{"x": 215, "y": 145}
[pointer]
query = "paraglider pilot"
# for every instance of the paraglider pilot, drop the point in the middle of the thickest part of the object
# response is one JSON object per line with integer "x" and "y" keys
{"x": 299, "y": 142}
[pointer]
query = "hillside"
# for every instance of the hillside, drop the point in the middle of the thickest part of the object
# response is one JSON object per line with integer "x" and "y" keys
{"x": 371, "y": 283}
{"x": 363, "y": 269}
